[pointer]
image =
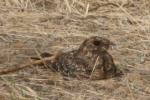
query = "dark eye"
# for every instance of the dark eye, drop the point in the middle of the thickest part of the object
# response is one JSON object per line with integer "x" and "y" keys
{"x": 96, "y": 43}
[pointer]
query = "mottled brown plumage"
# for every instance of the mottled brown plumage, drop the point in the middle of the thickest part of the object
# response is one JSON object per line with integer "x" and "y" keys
{"x": 90, "y": 60}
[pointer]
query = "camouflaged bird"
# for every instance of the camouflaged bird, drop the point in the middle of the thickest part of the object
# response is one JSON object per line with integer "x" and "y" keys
{"x": 90, "y": 60}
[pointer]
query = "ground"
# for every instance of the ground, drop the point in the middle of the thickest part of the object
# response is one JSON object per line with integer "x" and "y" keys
{"x": 29, "y": 27}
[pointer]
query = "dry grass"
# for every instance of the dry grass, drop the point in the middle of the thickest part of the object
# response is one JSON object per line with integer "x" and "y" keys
{"x": 28, "y": 27}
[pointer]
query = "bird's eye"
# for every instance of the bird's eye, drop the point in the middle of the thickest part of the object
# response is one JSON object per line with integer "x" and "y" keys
{"x": 96, "y": 43}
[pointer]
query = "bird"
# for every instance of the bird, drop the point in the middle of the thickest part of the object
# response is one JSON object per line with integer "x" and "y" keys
{"x": 91, "y": 60}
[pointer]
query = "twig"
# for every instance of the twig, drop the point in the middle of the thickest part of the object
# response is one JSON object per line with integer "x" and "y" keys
{"x": 14, "y": 69}
{"x": 94, "y": 67}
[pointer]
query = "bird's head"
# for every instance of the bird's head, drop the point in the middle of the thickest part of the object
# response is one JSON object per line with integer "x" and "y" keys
{"x": 96, "y": 44}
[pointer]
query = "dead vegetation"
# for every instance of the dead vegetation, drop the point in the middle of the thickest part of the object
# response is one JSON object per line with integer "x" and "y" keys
{"x": 29, "y": 27}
